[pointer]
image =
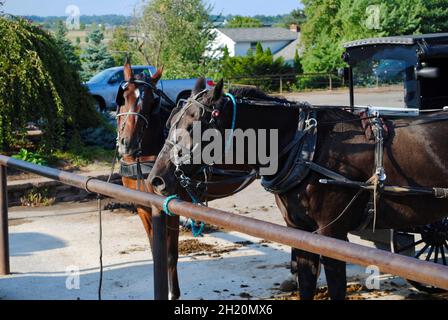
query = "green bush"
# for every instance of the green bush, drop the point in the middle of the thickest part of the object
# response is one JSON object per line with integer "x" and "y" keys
{"x": 258, "y": 64}
{"x": 39, "y": 86}
{"x": 33, "y": 157}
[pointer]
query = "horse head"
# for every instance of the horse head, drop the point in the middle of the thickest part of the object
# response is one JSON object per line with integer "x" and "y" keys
{"x": 137, "y": 104}
{"x": 174, "y": 159}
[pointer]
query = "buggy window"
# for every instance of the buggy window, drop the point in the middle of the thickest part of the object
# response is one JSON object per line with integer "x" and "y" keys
{"x": 385, "y": 76}
{"x": 385, "y": 82}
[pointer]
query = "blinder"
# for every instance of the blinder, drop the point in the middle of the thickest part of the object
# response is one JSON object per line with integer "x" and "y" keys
{"x": 120, "y": 95}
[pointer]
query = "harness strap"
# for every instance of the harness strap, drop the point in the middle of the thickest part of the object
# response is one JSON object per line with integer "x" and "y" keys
{"x": 235, "y": 107}
{"x": 326, "y": 172}
{"x": 379, "y": 175}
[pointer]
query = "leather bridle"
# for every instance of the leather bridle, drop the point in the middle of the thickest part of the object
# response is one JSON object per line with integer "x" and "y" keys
{"x": 140, "y": 100}
{"x": 198, "y": 188}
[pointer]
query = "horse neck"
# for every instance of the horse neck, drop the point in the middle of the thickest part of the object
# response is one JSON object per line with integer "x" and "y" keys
{"x": 284, "y": 120}
{"x": 153, "y": 137}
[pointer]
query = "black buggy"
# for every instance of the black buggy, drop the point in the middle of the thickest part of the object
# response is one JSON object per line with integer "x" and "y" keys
{"x": 414, "y": 71}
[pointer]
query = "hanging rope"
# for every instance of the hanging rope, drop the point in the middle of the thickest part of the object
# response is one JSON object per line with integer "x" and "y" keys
{"x": 100, "y": 226}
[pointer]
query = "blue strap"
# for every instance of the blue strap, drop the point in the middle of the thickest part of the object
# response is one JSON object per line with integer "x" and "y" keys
{"x": 166, "y": 203}
{"x": 229, "y": 141}
{"x": 197, "y": 232}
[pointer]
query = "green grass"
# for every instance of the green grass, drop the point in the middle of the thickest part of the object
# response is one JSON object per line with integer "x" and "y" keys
{"x": 82, "y": 157}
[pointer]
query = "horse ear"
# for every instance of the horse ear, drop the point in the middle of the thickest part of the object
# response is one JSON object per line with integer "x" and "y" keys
{"x": 200, "y": 86}
{"x": 156, "y": 77}
{"x": 128, "y": 74}
{"x": 218, "y": 90}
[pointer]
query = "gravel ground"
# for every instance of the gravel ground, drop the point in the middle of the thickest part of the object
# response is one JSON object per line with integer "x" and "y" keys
{"x": 220, "y": 265}
{"x": 45, "y": 242}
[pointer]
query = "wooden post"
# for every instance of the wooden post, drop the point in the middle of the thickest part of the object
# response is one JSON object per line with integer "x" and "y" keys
{"x": 4, "y": 240}
{"x": 160, "y": 255}
{"x": 281, "y": 85}
{"x": 330, "y": 82}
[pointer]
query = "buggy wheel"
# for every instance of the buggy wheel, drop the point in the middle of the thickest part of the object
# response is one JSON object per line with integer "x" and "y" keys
{"x": 428, "y": 243}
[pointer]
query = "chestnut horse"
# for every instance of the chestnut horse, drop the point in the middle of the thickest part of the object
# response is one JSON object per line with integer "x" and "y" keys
{"x": 141, "y": 127}
{"x": 415, "y": 155}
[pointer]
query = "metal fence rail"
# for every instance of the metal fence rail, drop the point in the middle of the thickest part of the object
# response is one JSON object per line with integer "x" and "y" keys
{"x": 406, "y": 267}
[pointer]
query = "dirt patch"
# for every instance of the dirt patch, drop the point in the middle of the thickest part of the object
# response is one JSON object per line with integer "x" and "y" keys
{"x": 18, "y": 222}
{"x": 354, "y": 292}
{"x": 187, "y": 247}
{"x": 425, "y": 296}
{"x": 197, "y": 248}
{"x": 135, "y": 249}
{"x": 208, "y": 229}
{"x": 360, "y": 292}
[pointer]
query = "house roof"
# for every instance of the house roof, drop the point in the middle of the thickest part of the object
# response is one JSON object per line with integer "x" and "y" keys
{"x": 289, "y": 52}
{"x": 259, "y": 34}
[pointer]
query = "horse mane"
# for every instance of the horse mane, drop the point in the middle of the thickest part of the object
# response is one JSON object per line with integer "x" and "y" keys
{"x": 329, "y": 114}
{"x": 255, "y": 93}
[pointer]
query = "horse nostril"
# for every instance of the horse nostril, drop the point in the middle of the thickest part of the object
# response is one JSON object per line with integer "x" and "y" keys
{"x": 158, "y": 183}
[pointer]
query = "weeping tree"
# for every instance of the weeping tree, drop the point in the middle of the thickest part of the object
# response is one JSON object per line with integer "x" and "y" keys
{"x": 39, "y": 86}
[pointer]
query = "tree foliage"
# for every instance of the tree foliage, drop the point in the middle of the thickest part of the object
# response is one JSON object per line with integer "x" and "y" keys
{"x": 330, "y": 23}
{"x": 95, "y": 58}
{"x": 435, "y": 16}
{"x": 39, "y": 86}
{"x": 243, "y": 22}
{"x": 122, "y": 45}
{"x": 176, "y": 33}
{"x": 66, "y": 46}
{"x": 258, "y": 63}
{"x": 297, "y": 16}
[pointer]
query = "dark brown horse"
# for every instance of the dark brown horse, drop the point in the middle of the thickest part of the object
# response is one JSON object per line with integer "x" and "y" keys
{"x": 415, "y": 155}
{"x": 141, "y": 126}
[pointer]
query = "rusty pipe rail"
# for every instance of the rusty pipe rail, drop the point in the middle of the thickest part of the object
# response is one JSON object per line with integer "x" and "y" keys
{"x": 387, "y": 262}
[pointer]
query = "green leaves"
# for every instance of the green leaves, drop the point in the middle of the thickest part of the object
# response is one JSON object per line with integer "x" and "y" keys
{"x": 28, "y": 156}
{"x": 39, "y": 86}
{"x": 95, "y": 57}
{"x": 330, "y": 23}
{"x": 176, "y": 34}
{"x": 260, "y": 63}
{"x": 244, "y": 22}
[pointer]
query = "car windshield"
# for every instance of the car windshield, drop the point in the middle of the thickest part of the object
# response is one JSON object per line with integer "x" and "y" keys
{"x": 102, "y": 76}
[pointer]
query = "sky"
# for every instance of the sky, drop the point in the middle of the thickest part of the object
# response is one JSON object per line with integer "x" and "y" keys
{"x": 125, "y": 7}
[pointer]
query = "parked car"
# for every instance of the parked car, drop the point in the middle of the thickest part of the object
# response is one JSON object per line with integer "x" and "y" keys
{"x": 104, "y": 86}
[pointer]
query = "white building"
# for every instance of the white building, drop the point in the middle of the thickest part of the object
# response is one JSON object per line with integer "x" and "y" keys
{"x": 282, "y": 42}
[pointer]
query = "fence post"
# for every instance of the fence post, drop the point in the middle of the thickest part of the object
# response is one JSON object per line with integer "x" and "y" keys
{"x": 4, "y": 240}
{"x": 330, "y": 81}
{"x": 281, "y": 85}
{"x": 159, "y": 251}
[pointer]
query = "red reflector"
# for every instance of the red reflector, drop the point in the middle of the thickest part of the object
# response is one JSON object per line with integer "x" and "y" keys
{"x": 211, "y": 83}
